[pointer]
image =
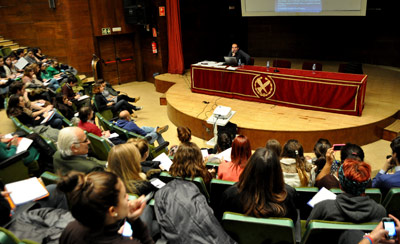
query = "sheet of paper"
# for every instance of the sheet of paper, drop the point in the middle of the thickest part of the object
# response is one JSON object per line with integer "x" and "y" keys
{"x": 232, "y": 68}
{"x": 23, "y": 144}
{"x": 39, "y": 104}
{"x": 22, "y": 62}
{"x": 226, "y": 155}
{"x": 50, "y": 115}
{"x": 166, "y": 162}
{"x": 83, "y": 97}
{"x": 8, "y": 136}
{"x": 322, "y": 195}
{"x": 157, "y": 183}
{"x": 114, "y": 135}
{"x": 204, "y": 153}
{"x": 26, "y": 190}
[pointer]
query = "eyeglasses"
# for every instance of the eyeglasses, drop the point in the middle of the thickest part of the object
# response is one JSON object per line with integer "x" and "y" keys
{"x": 85, "y": 141}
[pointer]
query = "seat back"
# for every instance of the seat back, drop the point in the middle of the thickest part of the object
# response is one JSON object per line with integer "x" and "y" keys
{"x": 66, "y": 121}
{"x": 329, "y": 231}
{"x": 373, "y": 193}
{"x": 198, "y": 181}
{"x": 309, "y": 65}
{"x": 107, "y": 125}
{"x": 352, "y": 68}
{"x": 100, "y": 147}
{"x": 245, "y": 229}
{"x": 217, "y": 188}
{"x": 107, "y": 114}
{"x": 392, "y": 202}
{"x": 49, "y": 178}
{"x": 13, "y": 168}
{"x": 7, "y": 237}
{"x": 305, "y": 195}
{"x": 282, "y": 63}
{"x": 251, "y": 61}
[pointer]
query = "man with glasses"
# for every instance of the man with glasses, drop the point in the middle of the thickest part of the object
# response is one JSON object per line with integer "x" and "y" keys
{"x": 73, "y": 147}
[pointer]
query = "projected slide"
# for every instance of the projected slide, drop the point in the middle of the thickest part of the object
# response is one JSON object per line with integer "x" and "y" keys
{"x": 303, "y": 7}
{"x": 298, "y": 6}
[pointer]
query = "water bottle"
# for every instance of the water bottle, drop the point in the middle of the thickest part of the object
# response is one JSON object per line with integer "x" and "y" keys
{"x": 268, "y": 65}
{"x": 240, "y": 62}
{"x": 314, "y": 67}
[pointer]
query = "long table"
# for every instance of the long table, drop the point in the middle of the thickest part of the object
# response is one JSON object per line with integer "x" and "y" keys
{"x": 306, "y": 89}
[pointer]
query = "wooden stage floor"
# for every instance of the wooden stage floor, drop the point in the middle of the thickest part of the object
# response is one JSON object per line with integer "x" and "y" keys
{"x": 261, "y": 122}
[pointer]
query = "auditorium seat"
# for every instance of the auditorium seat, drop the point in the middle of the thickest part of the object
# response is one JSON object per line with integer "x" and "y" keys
{"x": 13, "y": 169}
{"x": 100, "y": 146}
{"x": 328, "y": 232}
{"x": 49, "y": 178}
{"x": 280, "y": 63}
{"x": 251, "y": 61}
{"x": 352, "y": 68}
{"x": 392, "y": 202}
{"x": 7, "y": 237}
{"x": 217, "y": 188}
{"x": 198, "y": 181}
{"x": 309, "y": 65}
{"x": 245, "y": 229}
{"x": 305, "y": 195}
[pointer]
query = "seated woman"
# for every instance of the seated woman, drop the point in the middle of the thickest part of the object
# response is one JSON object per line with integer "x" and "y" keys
{"x": 34, "y": 87}
{"x": 124, "y": 161}
{"x": 188, "y": 163}
{"x": 328, "y": 177}
{"x": 8, "y": 148}
{"x": 7, "y": 67}
{"x": 275, "y": 146}
{"x": 16, "y": 107}
{"x": 103, "y": 104}
{"x": 296, "y": 170}
{"x": 352, "y": 205}
{"x": 261, "y": 190}
{"x": 320, "y": 149}
{"x": 241, "y": 152}
{"x": 39, "y": 55}
{"x": 86, "y": 123}
{"x": 100, "y": 205}
{"x": 184, "y": 135}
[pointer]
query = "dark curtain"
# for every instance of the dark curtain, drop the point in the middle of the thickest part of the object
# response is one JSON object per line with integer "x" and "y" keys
{"x": 175, "y": 54}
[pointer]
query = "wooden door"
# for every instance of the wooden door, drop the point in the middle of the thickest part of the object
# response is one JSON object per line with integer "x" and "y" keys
{"x": 124, "y": 51}
{"x": 117, "y": 58}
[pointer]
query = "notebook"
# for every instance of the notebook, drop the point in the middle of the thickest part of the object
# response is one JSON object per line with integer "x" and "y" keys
{"x": 25, "y": 191}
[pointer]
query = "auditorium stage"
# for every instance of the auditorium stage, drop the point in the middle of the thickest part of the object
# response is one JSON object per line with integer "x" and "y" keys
{"x": 260, "y": 121}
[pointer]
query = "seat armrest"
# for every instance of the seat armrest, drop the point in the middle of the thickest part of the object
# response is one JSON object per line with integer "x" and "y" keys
{"x": 13, "y": 159}
{"x": 161, "y": 147}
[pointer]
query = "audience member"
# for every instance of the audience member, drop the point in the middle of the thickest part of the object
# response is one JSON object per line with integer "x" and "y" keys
{"x": 17, "y": 108}
{"x": 151, "y": 168}
{"x": 30, "y": 57}
{"x": 352, "y": 205}
{"x": 320, "y": 149}
{"x": 239, "y": 54}
{"x": 68, "y": 92}
{"x": 188, "y": 163}
{"x": 5, "y": 69}
{"x": 328, "y": 177}
{"x": 99, "y": 203}
{"x": 153, "y": 134}
{"x": 241, "y": 152}
{"x": 124, "y": 161}
{"x": 53, "y": 69}
{"x": 107, "y": 94}
{"x": 86, "y": 123}
{"x": 39, "y": 55}
{"x": 61, "y": 103}
{"x": 73, "y": 147}
{"x": 385, "y": 181}
{"x": 275, "y": 146}
{"x": 18, "y": 88}
{"x": 296, "y": 170}
{"x": 10, "y": 66}
{"x": 184, "y": 135}
{"x": 261, "y": 190}
{"x": 103, "y": 104}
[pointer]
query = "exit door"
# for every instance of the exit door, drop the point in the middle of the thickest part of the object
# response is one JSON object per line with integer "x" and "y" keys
{"x": 117, "y": 56}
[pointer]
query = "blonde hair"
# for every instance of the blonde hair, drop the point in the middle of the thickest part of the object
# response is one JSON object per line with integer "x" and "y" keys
{"x": 124, "y": 161}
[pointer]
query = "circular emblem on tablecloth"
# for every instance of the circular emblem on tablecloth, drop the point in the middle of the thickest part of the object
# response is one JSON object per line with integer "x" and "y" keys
{"x": 263, "y": 86}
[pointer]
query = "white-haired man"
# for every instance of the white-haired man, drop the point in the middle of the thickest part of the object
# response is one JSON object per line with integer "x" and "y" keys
{"x": 73, "y": 147}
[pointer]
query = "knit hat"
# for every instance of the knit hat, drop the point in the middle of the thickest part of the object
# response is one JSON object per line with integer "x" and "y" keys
{"x": 352, "y": 187}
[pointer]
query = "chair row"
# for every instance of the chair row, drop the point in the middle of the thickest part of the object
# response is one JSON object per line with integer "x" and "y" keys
{"x": 353, "y": 68}
{"x": 107, "y": 125}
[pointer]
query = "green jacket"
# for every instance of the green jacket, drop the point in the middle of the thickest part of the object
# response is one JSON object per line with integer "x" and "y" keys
{"x": 78, "y": 163}
{"x": 52, "y": 71}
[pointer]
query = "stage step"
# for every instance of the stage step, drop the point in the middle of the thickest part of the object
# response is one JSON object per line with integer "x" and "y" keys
{"x": 163, "y": 100}
{"x": 392, "y": 131}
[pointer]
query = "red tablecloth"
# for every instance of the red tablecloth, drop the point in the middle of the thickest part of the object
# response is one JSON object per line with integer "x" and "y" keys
{"x": 316, "y": 90}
